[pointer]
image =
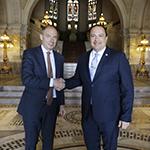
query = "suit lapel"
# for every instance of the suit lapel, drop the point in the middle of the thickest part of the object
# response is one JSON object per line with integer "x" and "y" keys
{"x": 40, "y": 58}
{"x": 87, "y": 65}
{"x": 103, "y": 61}
{"x": 56, "y": 62}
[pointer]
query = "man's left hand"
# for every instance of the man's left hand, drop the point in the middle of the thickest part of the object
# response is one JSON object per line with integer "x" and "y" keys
{"x": 62, "y": 111}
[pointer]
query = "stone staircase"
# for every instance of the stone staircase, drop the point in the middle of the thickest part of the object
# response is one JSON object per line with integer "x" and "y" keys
{"x": 142, "y": 95}
{"x": 12, "y": 94}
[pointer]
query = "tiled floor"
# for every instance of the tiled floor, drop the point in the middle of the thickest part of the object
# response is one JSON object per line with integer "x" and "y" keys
{"x": 68, "y": 134}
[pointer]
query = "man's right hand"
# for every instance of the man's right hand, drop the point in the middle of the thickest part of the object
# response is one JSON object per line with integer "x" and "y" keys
{"x": 59, "y": 84}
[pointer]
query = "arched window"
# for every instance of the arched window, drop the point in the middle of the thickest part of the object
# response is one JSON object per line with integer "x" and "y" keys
{"x": 53, "y": 11}
{"x": 72, "y": 13}
{"x": 92, "y": 15}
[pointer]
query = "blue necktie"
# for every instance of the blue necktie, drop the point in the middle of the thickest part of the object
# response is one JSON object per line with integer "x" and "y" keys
{"x": 93, "y": 66}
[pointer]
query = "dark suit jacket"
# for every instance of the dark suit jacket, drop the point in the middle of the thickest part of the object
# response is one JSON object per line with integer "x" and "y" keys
{"x": 34, "y": 77}
{"x": 111, "y": 90}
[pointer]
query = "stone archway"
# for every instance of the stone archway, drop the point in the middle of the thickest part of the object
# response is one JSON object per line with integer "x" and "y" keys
{"x": 26, "y": 15}
{"x": 3, "y": 14}
{"x": 123, "y": 15}
{"x": 146, "y": 18}
{"x": 131, "y": 15}
{"x": 27, "y": 11}
{"x": 122, "y": 12}
{"x": 130, "y": 19}
{"x": 138, "y": 26}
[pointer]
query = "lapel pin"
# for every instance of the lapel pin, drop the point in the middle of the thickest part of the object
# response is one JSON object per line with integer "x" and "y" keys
{"x": 106, "y": 54}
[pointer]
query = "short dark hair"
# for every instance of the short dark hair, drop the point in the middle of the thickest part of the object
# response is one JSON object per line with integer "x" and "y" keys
{"x": 98, "y": 26}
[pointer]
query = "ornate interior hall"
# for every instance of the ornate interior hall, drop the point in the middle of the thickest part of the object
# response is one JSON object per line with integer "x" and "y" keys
{"x": 128, "y": 27}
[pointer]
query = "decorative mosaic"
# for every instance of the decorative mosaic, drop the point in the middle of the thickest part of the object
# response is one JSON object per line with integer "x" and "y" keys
{"x": 16, "y": 121}
{"x": 67, "y": 106}
{"x": 134, "y": 135}
{"x": 13, "y": 145}
{"x": 8, "y": 105}
{"x": 82, "y": 147}
{"x": 3, "y": 113}
{"x": 18, "y": 144}
{"x": 73, "y": 117}
{"x": 68, "y": 133}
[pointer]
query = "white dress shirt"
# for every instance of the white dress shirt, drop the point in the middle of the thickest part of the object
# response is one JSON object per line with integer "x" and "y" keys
{"x": 51, "y": 84}
{"x": 92, "y": 55}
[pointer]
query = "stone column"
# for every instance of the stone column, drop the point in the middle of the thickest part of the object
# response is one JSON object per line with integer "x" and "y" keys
{"x": 133, "y": 40}
{"x": 83, "y": 15}
{"x": 62, "y": 16}
{"x": 126, "y": 42}
{"x": 98, "y": 8}
{"x": 23, "y": 38}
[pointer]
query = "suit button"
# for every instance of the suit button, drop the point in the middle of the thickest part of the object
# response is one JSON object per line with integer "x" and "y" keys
{"x": 92, "y": 85}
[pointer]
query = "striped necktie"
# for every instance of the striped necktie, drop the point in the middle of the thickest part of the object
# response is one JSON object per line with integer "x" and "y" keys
{"x": 50, "y": 75}
{"x": 93, "y": 66}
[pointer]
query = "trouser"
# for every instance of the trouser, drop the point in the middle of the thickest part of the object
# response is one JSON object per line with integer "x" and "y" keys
{"x": 44, "y": 123}
{"x": 95, "y": 131}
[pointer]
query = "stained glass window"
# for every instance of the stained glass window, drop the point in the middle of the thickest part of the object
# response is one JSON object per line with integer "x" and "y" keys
{"x": 73, "y": 10}
{"x": 53, "y": 10}
{"x": 92, "y": 15}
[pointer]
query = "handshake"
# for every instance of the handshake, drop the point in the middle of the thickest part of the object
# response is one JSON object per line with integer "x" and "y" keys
{"x": 59, "y": 84}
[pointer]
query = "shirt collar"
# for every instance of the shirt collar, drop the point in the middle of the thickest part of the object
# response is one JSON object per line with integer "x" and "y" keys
{"x": 99, "y": 52}
{"x": 45, "y": 50}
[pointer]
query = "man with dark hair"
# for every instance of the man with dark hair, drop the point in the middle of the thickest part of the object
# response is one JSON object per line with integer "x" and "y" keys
{"x": 41, "y": 99}
{"x": 107, "y": 91}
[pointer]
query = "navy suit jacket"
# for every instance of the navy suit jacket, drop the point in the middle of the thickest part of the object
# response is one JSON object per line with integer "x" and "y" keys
{"x": 34, "y": 77}
{"x": 111, "y": 90}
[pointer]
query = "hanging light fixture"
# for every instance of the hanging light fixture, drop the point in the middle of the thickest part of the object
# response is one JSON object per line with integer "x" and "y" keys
{"x": 5, "y": 42}
{"x": 101, "y": 20}
{"x": 46, "y": 19}
{"x": 142, "y": 71}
